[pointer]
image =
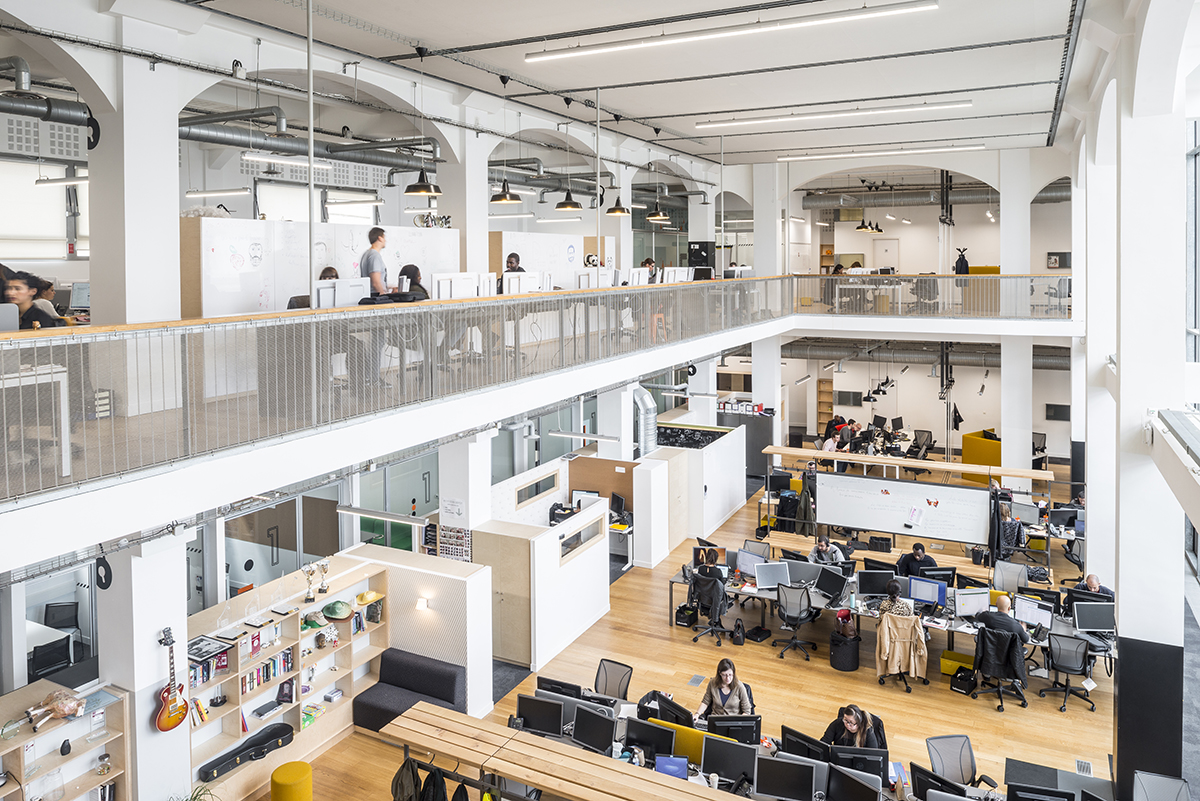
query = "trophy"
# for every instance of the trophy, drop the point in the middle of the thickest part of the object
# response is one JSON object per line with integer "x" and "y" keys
{"x": 324, "y": 566}
{"x": 309, "y": 570}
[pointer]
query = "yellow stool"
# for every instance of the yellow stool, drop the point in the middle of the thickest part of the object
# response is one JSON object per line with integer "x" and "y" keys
{"x": 292, "y": 781}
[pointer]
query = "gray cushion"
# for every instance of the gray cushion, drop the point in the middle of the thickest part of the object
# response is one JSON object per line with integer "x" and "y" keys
{"x": 431, "y": 677}
{"x": 379, "y": 705}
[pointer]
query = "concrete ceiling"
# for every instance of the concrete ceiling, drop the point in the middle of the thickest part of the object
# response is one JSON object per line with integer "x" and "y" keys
{"x": 1006, "y": 58}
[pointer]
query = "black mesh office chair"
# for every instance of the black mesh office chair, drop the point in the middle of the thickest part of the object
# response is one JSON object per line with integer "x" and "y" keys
{"x": 703, "y": 543}
{"x": 63, "y": 616}
{"x": 707, "y": 594}
{"x": 49, "y": 658}
{"x": 795, "y": 609}
{"x": 952, "y": 757}
{"x": 1068, "y": 655}
{"x": 1074, "y": 550}
{"x": 999, "y": 661}
{"x": 920, "y": 455}
{"x": 612, "y": 679}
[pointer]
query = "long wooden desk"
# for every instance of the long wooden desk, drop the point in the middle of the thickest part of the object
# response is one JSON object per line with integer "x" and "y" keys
{"x": 444, "y": 732}
{"x": 934, "y": 466}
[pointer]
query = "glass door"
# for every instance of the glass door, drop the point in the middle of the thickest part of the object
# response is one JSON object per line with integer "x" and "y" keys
{"x": 260, "y": 547}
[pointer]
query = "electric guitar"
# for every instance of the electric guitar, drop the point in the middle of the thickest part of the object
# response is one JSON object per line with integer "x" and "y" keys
{"x": 174, "y": 707}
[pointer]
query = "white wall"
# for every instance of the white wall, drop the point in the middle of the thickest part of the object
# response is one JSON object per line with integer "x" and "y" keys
{"x": 504, "y": 495}
{"x": 651, "y": 525}
{"x": 723, "y": 477}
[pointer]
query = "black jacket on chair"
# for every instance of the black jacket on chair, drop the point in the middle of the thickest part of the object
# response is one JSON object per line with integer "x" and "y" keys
{"x": 999, "y": 655}
{"x": 708, "y": 596}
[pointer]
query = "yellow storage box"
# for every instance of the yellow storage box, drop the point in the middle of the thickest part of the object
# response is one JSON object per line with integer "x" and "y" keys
{"x": 952, "y": 661}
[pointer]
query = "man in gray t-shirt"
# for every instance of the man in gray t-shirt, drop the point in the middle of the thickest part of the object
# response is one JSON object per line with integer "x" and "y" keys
{"x": 371, "y": 264}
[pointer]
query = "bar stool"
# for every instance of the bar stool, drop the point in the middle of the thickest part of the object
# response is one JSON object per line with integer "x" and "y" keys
{"x": 292, "y": 781}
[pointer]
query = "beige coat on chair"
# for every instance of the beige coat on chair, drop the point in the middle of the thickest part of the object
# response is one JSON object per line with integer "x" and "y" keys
{"x": 900, "y": 646}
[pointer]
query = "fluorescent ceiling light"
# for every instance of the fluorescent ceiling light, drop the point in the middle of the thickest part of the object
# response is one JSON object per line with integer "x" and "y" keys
{"x": 577, "y": 435}
{"x": 513, "y": 215}
{"x": 292, "y": 161}
{"x": 241, "y": 190}
{"x": 420, "y": 210}
{"x": 800, "y": 381}
{"x": 380, "y": 515}
{"x": 497, "y": 187}
{"x": 836, "y": 114}
{"x": 674, "y": 394}
{"x": 868, "y": 153}
{"x": 373, "y": 201}
{"x": 74, "y": 180}
{"x": 798, "y": 219}
{"x": 906, "y": 221}
{"x": 638, "y": 206}
{"x": 823, "y": 225}
{"x": 558, "y": 220}
{"x": 737, "y": 222}
{"x": 734, "y": 30}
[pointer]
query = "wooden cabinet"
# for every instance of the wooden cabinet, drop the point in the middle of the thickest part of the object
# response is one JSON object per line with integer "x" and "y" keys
{"x": 824, "y": 405}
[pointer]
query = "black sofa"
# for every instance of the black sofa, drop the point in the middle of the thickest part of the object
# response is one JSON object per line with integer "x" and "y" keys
{"x": 404, "y": 680}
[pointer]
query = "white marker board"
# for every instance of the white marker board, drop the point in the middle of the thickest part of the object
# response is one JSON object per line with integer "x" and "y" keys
{"x": 960, "y": 514}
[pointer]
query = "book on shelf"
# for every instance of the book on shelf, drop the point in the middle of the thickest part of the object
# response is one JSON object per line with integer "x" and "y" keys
{"x": 204, "y": 671}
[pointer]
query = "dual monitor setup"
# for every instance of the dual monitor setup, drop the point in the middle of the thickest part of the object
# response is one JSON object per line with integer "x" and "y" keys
{"x": 925, "y": 780}
{"x": 830, "y": 580}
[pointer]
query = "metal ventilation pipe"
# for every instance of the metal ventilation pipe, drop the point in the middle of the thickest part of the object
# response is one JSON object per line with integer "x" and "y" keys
{"x": 20, "y": 69}
{"x": 673, "y": 202}
{"x": 958, "y": 358}
{"x": 647, "y": 411}
{"x": 46, "y": 109}
{"x": 1057, "y": 192}
{"x": 435, "y": 147}
{"x": 551, "y": 183}
{"x": 528, "y": 163}
{"x": 243, "y": 114}
{"x": 231, "y": 136}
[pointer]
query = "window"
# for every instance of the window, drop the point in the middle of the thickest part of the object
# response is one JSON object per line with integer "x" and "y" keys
{"x": 531, "y": 492}
{"x": 355, "y": 215}
{"x": 1193, "y": 224}
{"x": 35, "y": 228}
{"x": 283, "y": 201}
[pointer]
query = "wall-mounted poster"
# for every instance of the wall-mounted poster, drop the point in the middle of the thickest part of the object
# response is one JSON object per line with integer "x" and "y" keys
{"x": 1058, "y": 261}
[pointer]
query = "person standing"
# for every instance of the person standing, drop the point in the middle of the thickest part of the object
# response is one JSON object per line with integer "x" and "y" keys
{"x": 371, "y": 265}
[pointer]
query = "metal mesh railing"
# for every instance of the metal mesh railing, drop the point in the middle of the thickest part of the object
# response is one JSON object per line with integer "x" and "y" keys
{"x": 83, "y": 405}
{"x": 1017, "y": 297}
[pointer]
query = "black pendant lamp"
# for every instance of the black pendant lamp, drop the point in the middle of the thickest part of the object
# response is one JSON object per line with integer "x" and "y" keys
{"x": 504, "y": 195}
{"x": 568, "y": 204}
{"x": 618, "y": 210}
{"x": 658, "y": 215}
{"x": 862, "y": 225}
{"x": 423, "y": 188}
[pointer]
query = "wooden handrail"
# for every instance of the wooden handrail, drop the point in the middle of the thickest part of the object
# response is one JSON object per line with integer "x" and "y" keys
{"x": 808, "y": 454}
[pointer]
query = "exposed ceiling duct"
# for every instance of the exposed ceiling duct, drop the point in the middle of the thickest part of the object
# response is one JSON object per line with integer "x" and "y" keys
{"x": 20, "y": 70}
{"x": 647, "y": 411}
{"x": 247, "y": 139}
{"x": 527, "y": 163}
{"x": 971, "y": 355}
{"x": 242, "y": 114}
{"x": 1057, "y": 192}
{"x": 408, "y": 142}
{"x": 24, "y": 103}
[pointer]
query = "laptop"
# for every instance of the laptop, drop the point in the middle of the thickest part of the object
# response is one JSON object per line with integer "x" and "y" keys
{"x": 672, "y": 766}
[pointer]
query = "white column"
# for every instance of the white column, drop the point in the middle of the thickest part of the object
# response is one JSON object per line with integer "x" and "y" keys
{"x": 767, "y": 231}
{"x": 614, "y": 418}
{"x": 705, "y": 380}
{"x": 465, "y": 480}
{"x": 1016, "y": 192}
{"x": 465, "y": 198}
{"x": 1016, "y": 408}
{"x": 702, "y": 223}
{"x": 145, "y": 598}
{"x": 13, "y": 646}
{"x": 767, "y": 374}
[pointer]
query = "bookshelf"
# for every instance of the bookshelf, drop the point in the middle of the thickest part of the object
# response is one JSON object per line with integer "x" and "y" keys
{"x": 824, "y": 404}
{"x": 348, "y": 662}
{"x": 35, "y": 758}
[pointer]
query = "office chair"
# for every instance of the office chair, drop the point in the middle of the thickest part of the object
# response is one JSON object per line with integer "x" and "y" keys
{"x": 952, "y": 757}
{"x": 63, "y": 616}
{"x": 707, "y": 594}
{"x": 1068, "y": 655}
{"x": 299, "y": 302}
{"x": 1074, "y": 551}
{"x": 918, "y": 456}
{"x": 880, "y": 734}
{"x": 750, "y": 695}
{"x": 48, "y": 658}
{"x": 1058, "y": 293}
{"x": 612, "y": 679}
{"x": 926, "y": 290}
{"x": 906, "y": 647}
{"x": 1156, "y": 787}
{"x": 754, "y": 546}
{"x": 1000, "y": 658}
{"x": 793, "y": 556}
{"x": 705, "y": 543}
{"x": 795, "y": 609}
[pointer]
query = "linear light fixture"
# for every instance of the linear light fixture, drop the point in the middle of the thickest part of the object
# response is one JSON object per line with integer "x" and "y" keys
{"x": 72, "y": 180}
{"x": 734, "y": 30}
{"x": 374, "y": 201}
{"x": 515, "y": 191}
{"x": 291, "y": 161}
{"x": 868, "y": 153}
{"x": 906, "y": 221}
{"x": 241, "y": 190}
{"x": 836, "y": 114}
{"x": 420, "y": 210}
{"x": 827, "y": 366}
{"x": 638, "y": 206}
{"x": 393, "y": 517}
{"x": 559, "y": 219}
{"x": 578, "y": 435}
{"x": 823, "y": 225}
{"x": 512, "y": 215}
{"x": 692, "y": 394}
{"x": 800, "y": 381}
{"x": 798, "y": 219}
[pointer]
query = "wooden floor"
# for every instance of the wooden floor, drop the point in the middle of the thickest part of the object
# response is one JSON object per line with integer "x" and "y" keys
{"x": 803, "y": 695}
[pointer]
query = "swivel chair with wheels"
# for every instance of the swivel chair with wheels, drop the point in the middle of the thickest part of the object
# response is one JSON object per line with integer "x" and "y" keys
{"x": 705, "y": 543}
{"x": 63, "y": 616}
{"x": 920, "y": 455}
{"x": 999, "y": 657}
{"x": 612, "y": 679}
{"x": 1074, "y": 550}
{"x": 707, "y": 594}
{"x": 1156, "y": 787}
{"x": 49, "y": 658}
{"x": 795, "y": 609}
{"x": 754, "y": 546}
{"x": 900, "y": 648}
{"x": 1068, "y": 655}
{"x": 952, "y": 757}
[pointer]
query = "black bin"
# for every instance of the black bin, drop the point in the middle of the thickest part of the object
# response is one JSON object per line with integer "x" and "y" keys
{"x": 843, "y": 652}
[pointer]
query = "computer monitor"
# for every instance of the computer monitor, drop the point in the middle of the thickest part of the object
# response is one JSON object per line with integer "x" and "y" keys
{"x": 972, "y": 601}
{"x": 832, "y": 583}
{"x": 924, "y": 780}
{"x": 1046, "y": 594}
{"x": 1025, "y": 512}
{"x": 878, "y": 564}
{"x": 800, "y": 744}
{"x": 1033, "y": 611}
{"x": 743, "y": 728}
{"x": 1009, "y": 576}
{"x": 672, "y": 712}
{"x": 560, "y": 687}
{"x": 783, "y": 779}
{"x": 617, "y": 504}
{"x": 897, "y": 423}
{"x": 579, "y": 495}
{"x": 540, "y": 715}
{"x": 926, "y": 591}
{"x": 867, "y": 760}
{"x": 728, "y": 760}
{"x": 880, "y": 421}
{"x": 847, "y": 567}
{"x": 1063, "y": 517}
{"x": 699, "y": 552}
{"x": 945, "y": 575}
{"x": 803, "y": 572}
{"x": 81, "y": 295}
{"x": 1095, "y": 616}
{"x": 964, "y": 582}
{"x": 1075, "y": 596}
{"x": 769, "y": 575}
{"x": 650, "y": 737}
{"x": 748, "y": 560}
{"x": 593, "y": 731}
{"x": 1084, "y": 795}
{"x": 786, "y": 555}
{"x": 1022, "y": 792}
{"x": 779, "y": 481}
{"x": 844, "y": 786}
{"x": 874, "y": 582}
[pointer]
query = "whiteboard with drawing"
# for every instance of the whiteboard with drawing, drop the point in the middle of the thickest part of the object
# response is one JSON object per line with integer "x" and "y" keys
{"x": 912, "y": 508}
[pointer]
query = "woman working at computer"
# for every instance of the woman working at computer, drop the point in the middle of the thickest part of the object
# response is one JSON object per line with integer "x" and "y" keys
{"x": 853, "y": 728}
{"x": 894, "y": 604}
{"x": 725, "y": 695}
{"x": 709, "y": 568}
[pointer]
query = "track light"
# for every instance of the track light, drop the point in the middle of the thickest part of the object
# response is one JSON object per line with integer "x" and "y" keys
{"x": 904, "y": 369}
{"x": 863, "y": 154}
{"x": 241, "y": 190}
{"x": 831, "y": 364}
{"x": 800, "y": 381}
{"x": 826, "y": 115}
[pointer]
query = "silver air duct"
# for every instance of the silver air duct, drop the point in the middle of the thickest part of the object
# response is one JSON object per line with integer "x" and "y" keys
{"x": 1057, "y": 192}
{"x": 243, "y": 114}
{"x": 958, "y": 358}
{"x": 231, "y": 136}
{"x": 20, "y": 69}
{"x": 647, "y": 412}
{"x": 26, "y": 104}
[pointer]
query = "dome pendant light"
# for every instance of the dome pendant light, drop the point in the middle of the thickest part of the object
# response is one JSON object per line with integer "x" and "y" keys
{"x": 658, "y": 215}
{"x": 618, "y": 210}
{"x": 568, "y": 203}
{"x": 862, "y": 225}
{"x": 423, "y": 188}
{"x": 504, "y": 195}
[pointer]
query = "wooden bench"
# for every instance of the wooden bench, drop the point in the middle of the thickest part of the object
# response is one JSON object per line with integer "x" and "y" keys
{"x": 433, "y": 730}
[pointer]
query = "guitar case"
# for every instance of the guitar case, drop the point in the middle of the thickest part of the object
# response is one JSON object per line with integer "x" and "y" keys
{"x": 257, "y": 746}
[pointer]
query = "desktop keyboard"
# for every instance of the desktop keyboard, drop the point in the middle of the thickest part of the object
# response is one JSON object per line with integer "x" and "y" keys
{"x": 596, "y": 698}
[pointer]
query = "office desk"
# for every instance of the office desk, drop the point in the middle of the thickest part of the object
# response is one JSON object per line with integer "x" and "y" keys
{"x": 37, "y": 634}
{"x": 796, "y": 542}
{"x": 1018, "y": 772}
{"x": 806, "y": 455}
{"x": 46, "y": 374}
{"x": 443, "y": 732}
{"x": 765, "y": 596}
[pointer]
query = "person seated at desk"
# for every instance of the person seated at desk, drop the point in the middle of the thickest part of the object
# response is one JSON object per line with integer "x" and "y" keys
{"x": 709, "y": 568}
{"x": 824, "y": 553}
{"x": 831, "y": 428}
{"x": 328, "y": 274}
{"x": 845, "y": 439}
{"x": 1001, "y": 620}
{"x": 20, "y": 290}
{"x": 894, "y": 604}
{"x": 724, "y": 695}
{"x": 1092, "y": 584}
{"x": 1011, "y": 534}
{"x": 911, "y": 563}
{"x": 511, "y": 265}
{"x": 852, "y": 729}
{"x": 413, "y": 274}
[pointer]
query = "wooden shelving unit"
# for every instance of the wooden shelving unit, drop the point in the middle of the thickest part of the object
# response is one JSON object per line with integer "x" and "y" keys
{"x": 35, "y": 758}
{"x": 319, "y": 669}
{"x": 824, "y": 404}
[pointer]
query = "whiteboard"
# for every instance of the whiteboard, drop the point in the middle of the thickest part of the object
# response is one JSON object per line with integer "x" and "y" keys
{"x": 960, "y": 514}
